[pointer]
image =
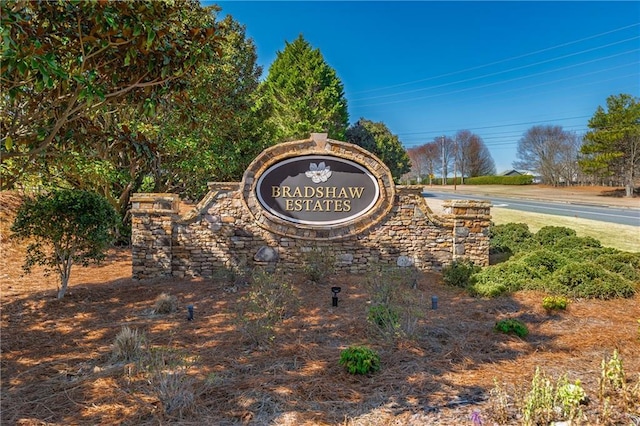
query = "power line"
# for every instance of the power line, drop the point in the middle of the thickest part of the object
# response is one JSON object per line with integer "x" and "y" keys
{"x": 497, "y": 72}
{"x": 502, "y": 60}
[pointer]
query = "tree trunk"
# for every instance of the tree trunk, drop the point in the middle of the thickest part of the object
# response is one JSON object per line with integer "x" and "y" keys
{"x": 65, "y": 274}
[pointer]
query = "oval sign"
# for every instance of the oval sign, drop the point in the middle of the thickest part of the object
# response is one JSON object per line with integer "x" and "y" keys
{"x": 317, "y": 190}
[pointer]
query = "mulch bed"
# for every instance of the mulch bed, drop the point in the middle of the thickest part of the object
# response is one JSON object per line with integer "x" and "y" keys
{"x": 57, "y": 365}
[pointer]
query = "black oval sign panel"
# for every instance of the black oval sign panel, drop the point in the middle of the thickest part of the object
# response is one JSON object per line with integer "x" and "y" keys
{"x": 317, "y": 190}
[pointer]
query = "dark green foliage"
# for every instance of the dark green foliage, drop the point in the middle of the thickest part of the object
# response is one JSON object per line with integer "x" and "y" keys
{"x": 556, "y": 261}
{"x": 623, "y": 263}
{"x": 304, "y": 94}
{"x": 500, "y": 180}
{"x": 502, "y": 278}
{"x": 459, "y": 272}
{"x": 66, "y": 227}
{"x": 378, "y": 139}
{"x": 510, "y": 237}
{"x": 512, "y": 326}
{"x": 576, "y": 243}
{"x": 592, "y": 281}
{"x": 360, "y": 360}
{"x": 543, "y": 261}
{"x": 549, "y": 235}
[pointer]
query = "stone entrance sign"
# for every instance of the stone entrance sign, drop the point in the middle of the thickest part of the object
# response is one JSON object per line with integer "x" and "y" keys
{"x": 317, "y": 190}
{"x": 313, "y": 194}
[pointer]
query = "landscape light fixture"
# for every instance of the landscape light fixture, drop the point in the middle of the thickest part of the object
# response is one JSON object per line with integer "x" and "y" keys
{"x": 335, "y": 291}
{"x": 190, "y": 313}
{"x": 434, "y": 302}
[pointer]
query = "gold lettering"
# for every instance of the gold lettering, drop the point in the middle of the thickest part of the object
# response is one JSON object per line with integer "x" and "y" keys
{"x": 298, "y": 204}
{"x": 356, "y": 192}
{"x": 328, "y": 204}
{"x": 342, "y": 193}
{"x": 317, "y": 207}
{"x": 286, "y": 192}
{"x": 306, "y": 204}
{"x": 346, "y": 206}
{"x": 330, "y": 192}
{"x": 288, "y": 206}
{"x": 275, "y": 191}
{"x": 338, "y": 206}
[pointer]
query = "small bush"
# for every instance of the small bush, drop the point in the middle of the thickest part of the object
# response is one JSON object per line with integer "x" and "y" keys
{"x": 384, "y": 317}
{"x": 503, "y": 278}
{"x": 360, "y": 360}
{"x": 165, "y": 304}
{"x": 509, "y": 237}
{"x": 318, "y": 264}
{"x": 549, "y": 235}
{"x": 544, "y": 261}
{"x": 591, "y": 281}
{"x": 176, "y": 391}
{"x": 512, "y": 326}
{"x": 554, "y": 303}
{"x": 459, "y": 272}
{"x": 623, "y": 263}
{"x": 575, "y": 243}
{"x": 269, "y": 300}
{"x": 128, "y": 345}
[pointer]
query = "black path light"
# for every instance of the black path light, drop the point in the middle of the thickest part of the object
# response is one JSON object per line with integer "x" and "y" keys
{"x": 190, "y": 313}
{"x": 335, "y": 291}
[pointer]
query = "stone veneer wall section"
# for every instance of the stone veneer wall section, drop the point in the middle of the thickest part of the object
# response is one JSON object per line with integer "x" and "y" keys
{"x": 221, "y": 233}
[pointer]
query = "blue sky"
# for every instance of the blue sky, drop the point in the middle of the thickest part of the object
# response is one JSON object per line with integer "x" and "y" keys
{"x": 428, "y": 69}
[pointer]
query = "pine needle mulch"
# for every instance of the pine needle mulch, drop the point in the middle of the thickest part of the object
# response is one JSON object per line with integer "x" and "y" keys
{"x": 57, "y": 365}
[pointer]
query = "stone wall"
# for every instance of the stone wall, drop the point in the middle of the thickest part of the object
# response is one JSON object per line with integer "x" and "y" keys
{"x": 221, "y": 233}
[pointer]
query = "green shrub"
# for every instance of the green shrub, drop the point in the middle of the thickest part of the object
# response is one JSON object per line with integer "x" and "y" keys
{"x": 512, "y": 326}
{"x": 459, "y": 272}
{"x": 549, "y": 235}
{"x": 623, "y": 263}
{"x": 360, "y": 360}
{"x": 554, "y": 303}
{"x": 500, "y": 180}
{"x": 576, "y": 243}
{"x": 384, "y": 317}
{"x": 509, "y": 237}
{"x": 544, "y": 261}
{"x": 591, "y": 281}
{"x": 503, "y": 278}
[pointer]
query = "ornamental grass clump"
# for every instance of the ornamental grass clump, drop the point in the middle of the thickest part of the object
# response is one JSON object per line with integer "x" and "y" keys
{"x": 165, "y": 304}
{"x": 128, "y": 345}
{"x": 360, "y": 360}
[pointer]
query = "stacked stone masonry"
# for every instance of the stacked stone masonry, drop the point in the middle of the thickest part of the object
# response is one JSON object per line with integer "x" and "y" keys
{"x": 223, "y": 232}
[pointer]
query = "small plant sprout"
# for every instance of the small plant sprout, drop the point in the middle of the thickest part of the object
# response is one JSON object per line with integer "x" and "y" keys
{"x": 512, "y": 326}
{"x": 476, "y": 419}
{"x": 554, "y": 303}
{"x": 360, "y": 360}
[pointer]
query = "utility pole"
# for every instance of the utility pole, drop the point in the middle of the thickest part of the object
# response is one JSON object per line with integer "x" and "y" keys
{"x": 444, "y": 177}
{"x": 455, "y": 163}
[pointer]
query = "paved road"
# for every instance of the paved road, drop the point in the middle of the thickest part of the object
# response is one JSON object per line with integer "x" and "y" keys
{"x": 619, "y": 215}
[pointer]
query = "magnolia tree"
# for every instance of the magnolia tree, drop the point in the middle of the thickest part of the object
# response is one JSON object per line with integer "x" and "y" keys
{"x": 65, "y": 227}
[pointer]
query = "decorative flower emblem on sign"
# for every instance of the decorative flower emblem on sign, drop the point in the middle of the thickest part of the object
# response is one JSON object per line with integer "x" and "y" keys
{"x": 318, "y": 172}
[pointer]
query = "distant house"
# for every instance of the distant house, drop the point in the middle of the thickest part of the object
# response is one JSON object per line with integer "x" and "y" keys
{"x": 514, "y": 172}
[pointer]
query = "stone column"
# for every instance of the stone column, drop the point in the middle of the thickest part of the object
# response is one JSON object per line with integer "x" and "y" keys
{"x": 471, "y": 221}
{"x": 153, "y": 217}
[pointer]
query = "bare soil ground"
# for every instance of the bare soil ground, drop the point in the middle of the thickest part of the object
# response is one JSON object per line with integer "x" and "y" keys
{"x": 57, "y": 365}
